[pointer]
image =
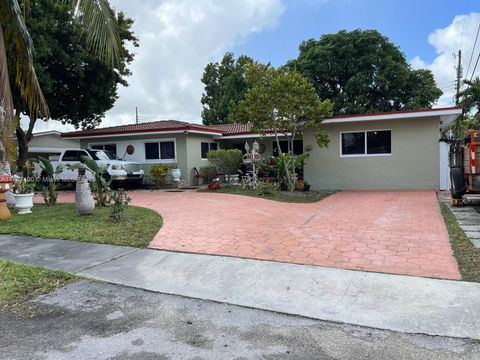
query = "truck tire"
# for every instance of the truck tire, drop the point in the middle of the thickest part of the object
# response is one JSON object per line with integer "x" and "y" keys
{"x": 459, "y": 186}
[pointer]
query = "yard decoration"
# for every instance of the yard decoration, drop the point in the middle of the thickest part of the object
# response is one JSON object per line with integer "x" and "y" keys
{"x": 84, "y": 201}
{"x": 251, "y": 157}
{"x": 5, "y": 183}
{"x": 23, "y": 192}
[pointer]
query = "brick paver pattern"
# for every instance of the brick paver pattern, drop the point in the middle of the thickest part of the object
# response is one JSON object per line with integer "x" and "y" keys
{"x": 398, "y": 232}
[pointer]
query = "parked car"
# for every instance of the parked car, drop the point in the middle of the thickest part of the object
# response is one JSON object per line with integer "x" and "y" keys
{"x": 118, "y": 170}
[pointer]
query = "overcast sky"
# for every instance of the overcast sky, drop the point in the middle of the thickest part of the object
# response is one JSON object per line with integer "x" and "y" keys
{"x": 179, "y": 37}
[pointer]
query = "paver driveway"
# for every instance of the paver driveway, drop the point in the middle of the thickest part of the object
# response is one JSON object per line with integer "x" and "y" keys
{"x": 394, "y": 232}
{"x": 400, "y": 232}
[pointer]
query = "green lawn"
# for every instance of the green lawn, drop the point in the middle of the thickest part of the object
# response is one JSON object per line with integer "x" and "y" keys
{"x": 62, "y": 221}
{"x": 19, "y": 283}
{"x": 468, "y": 257}
{"x": 283, "y": 196}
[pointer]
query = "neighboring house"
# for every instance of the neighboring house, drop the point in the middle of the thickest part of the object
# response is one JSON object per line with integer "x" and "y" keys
{"x": 398, "y": 150}
{"x": 48, "y": 143}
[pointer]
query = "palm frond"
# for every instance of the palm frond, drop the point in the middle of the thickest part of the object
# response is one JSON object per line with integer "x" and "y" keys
{"x": 18, "y": 39}
{"x": 101, "y": 30}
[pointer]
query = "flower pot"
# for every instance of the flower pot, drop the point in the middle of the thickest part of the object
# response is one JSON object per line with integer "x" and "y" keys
{"x": 176, "y": 175}
{"x": 24, "y": 203}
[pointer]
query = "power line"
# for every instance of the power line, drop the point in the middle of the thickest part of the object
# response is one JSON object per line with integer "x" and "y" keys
{"x": 473, "y": 51}
{"x": 475, "y": 67}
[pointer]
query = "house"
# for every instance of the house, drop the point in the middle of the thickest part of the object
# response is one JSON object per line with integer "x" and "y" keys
{"x": 48, "y": 143}
{"x": 396, "y": 150}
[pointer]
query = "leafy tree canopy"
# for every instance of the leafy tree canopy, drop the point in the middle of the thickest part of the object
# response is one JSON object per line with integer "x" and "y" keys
{"x": 282, "y": 101}
{"x": 363, "y": 71}
{"x": 225, "y": 86}
{"x": 470, "y": 101}
{"x": 78, "y": 86}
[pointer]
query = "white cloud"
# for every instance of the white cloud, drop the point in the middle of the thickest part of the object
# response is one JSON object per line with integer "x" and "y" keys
{"x": 177, "y": 39}
{"x": 460, "y": 34}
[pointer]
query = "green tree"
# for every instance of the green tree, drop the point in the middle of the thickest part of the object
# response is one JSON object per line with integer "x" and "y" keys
{"x": 283, "y": 101}
{"x": 66, "y": 66}
{"x": 363, "y": 71}
{"x": 225, "y": 86}
{"x": 99, "y": 27}
{"x": 470, "y": 102}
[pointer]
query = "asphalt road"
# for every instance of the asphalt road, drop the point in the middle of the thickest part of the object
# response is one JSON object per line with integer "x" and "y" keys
{"x": 91, "y": 320}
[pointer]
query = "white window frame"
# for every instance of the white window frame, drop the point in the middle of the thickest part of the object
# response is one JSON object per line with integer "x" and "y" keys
{"x": 209, "y": 143}
{"x": 365, "y": 144}
{"x": 159, "y": 161}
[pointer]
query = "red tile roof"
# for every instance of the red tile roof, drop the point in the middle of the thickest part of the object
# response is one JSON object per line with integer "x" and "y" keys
{"x": 153, "y": 126}
{"x": 234, "y": 129}
{"x": 222, "y": 129}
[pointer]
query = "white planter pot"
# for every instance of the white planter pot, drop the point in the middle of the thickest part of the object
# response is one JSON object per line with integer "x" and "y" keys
{"x": 176, "y": 174}
{"x": 24, "y": 203}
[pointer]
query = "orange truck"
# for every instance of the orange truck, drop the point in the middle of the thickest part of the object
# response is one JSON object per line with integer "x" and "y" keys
{"x": 464, "y": 168}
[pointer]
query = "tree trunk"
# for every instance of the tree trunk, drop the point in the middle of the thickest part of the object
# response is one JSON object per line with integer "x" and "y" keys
{"x": 23, "y": 138}
{"x": 280, "y": 153}
{"x": 22, "y": 149}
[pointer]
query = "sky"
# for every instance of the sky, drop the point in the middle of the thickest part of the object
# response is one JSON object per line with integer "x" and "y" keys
{"x": 179, "y": 37}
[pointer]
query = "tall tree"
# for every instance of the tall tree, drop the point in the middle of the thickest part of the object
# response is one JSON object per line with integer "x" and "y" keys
{"x": 78, "y": 87}
{"x": 101, "y": 33}
{"x": 225, "y": 86}
{"x": 362, "y": 72}
{"x": 282, "y": 101}
{"x": 470, "y": 102}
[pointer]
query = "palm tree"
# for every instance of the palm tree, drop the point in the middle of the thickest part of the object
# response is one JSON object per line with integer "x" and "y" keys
{"x": 98, "y": 20}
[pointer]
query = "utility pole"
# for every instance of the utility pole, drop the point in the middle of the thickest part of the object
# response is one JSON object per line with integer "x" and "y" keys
{"x": 136, "y": 115}
{"x": 459, "y": 76}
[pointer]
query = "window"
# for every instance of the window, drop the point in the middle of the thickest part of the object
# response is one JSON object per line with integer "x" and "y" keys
{"x": 164, "y": 150}
{"x": 108, "y": 147}
{"x": 375, "y": 142}
{"x": 206, "y": 147}
{"x": 73, "y": 155}
{"x": 284, "y": 146}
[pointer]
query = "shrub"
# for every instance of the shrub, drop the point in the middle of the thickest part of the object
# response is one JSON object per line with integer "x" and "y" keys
{"x": 226, "y": 160}
{"x": 265, "y": 188}
{"x": 119, "y": 201}
{"x": 158, "y": 174}
{"x": 208, "y": 173}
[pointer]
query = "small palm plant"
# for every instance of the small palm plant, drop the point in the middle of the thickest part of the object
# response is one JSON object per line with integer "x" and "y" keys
{"x": 49, "y": 191}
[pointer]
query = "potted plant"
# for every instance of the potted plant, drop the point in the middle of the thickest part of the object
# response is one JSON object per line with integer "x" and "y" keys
{"x": 23, "y": 193}
{"x": 306, "y": 186}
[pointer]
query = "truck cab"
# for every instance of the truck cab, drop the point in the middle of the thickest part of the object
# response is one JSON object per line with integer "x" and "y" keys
{"x": 117, "y": 170}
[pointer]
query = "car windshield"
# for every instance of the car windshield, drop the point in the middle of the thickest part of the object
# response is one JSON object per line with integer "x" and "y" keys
{"x": 102, "y": 155}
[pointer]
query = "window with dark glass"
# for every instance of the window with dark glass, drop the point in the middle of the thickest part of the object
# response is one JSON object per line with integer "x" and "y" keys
{"x": 367, "y": 142}
{"x": 379, "y": 142}
{"x": 206, "y": 147}
{"x": 152, "y": 151}
{"x": 167, "y": 150}
{"x": 108, "y": 147}
{"x": 353, "y": 143}
{"x": 285, "y": 147}
{"x": 73, "y": 155}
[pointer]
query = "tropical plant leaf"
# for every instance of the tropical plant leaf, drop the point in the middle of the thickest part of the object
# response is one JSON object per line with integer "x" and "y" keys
{"x": 18, "y": 39}
{"x": 101, "y": 30}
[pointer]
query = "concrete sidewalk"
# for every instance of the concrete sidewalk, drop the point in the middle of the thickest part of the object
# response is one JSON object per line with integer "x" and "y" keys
{"x": 393, "y": 302}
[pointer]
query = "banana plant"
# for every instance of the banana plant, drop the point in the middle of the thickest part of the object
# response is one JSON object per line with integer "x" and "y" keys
{"x": 48, "y": 174}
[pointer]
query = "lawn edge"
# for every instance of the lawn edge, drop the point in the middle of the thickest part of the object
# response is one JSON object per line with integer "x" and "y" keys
{"x": 467, "y": 256}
